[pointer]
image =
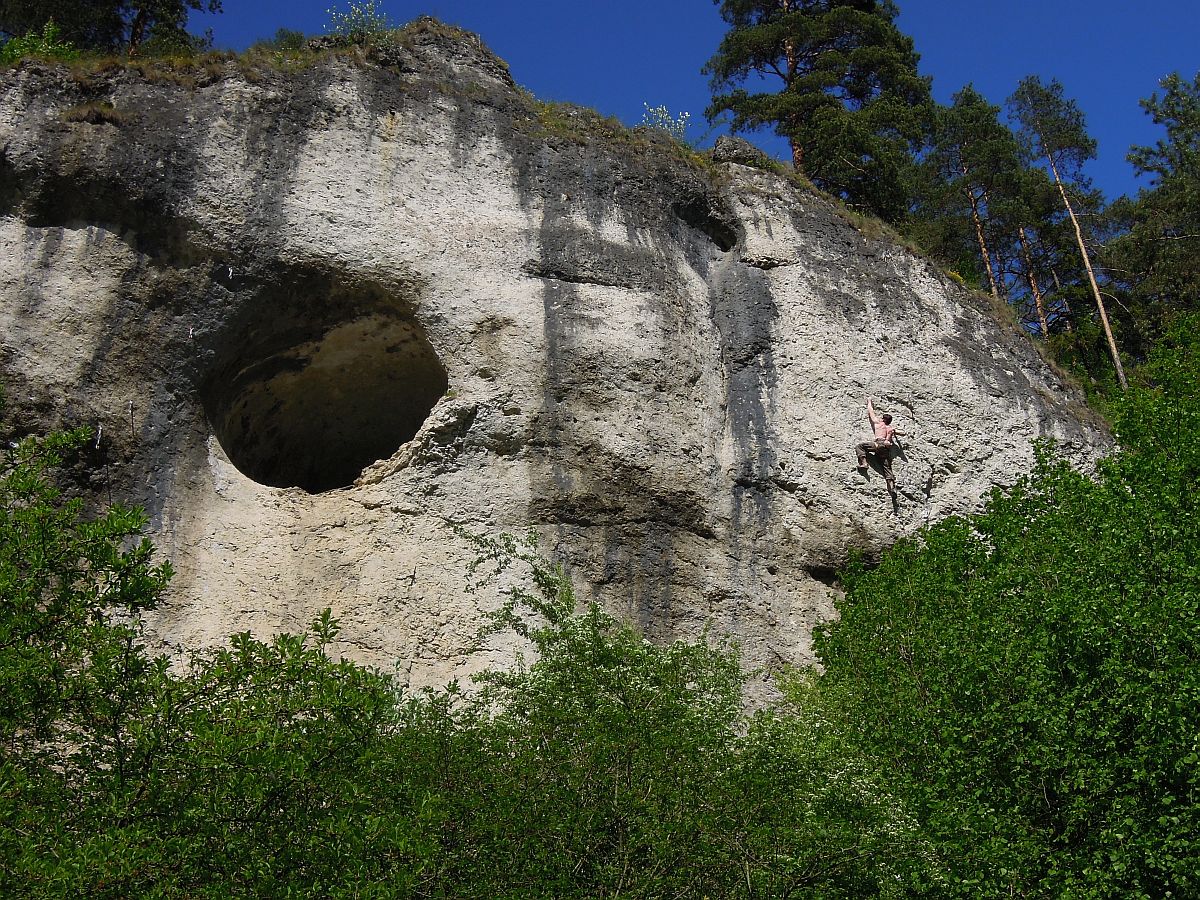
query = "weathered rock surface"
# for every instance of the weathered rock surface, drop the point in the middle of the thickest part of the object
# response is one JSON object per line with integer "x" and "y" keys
{"x": 321, "y": 317}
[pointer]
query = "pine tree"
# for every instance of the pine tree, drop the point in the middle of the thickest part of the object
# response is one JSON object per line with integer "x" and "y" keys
{"x": 1052, "y": 130}
{"x": 1158, "y": 256}
{"x": 1044, "y": 267}
{"x": 975, "y": 164}
{"x": 850, "y": 103}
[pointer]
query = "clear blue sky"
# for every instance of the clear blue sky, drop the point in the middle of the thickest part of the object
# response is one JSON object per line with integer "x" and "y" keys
{"x": 615, "y": 55}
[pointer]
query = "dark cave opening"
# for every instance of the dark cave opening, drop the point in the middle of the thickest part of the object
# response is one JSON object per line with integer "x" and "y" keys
{"x": 311, "y": 410}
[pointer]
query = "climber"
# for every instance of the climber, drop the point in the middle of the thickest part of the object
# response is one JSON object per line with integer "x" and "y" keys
{"x": 880, "y": 447}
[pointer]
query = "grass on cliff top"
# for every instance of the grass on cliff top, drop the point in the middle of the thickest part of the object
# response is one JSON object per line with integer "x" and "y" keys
{"x": 583, "y": 125}
{"x": 287, "y": 52}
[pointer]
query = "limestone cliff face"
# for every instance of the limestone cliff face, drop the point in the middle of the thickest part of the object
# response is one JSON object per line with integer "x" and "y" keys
{"x": 321, "y": 317}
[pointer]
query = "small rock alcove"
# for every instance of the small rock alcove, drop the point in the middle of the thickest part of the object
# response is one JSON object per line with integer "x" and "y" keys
{"x": 302, "y": 401}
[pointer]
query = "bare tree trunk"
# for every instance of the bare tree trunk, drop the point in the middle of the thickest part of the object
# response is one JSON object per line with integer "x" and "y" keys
{"x": 797, "y": 156}
{"x": 1087, "y": 265}
{"x": 983, "y": 247}
{"x": 998, "y": 260}
{"x": 789, "y": 48}
{"x": 1027, "y": 259}
{"x": 791, "y": 63}
{"x": 137, "y": 31}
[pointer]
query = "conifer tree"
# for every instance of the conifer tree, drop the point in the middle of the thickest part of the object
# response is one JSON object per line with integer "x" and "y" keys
{"x": 1052, "y": 130}
{"x": 1158, "y": 256}
{"x": 850, "y": 101}
{"x": 1034, "y": 217}
{"x": 975, "y": 163}
{"x": 1044, "y": 265}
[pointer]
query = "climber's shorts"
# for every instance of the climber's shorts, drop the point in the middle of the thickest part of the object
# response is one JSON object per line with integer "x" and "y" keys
{"x": 882, "y": 452}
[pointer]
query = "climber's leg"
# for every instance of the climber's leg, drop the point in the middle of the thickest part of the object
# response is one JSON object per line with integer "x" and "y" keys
{"x": 885, "y": 460}
{"x": 862, "y": 450}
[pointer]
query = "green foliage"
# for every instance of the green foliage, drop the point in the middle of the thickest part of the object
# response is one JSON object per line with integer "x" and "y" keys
{"x": 578, "y": 124}
{"x": 615, "y": 766}
{"x": 61, "y": 579}
{"x": 1178, "y": 111}
{"x": 361, "y": 22}
{"x": 968, "y": 188}
{"x": 111, "y": 25}
{"x": 48, "y": 44}
{"x": 1155, "y": 256}
{"x": 1051, "y": 126}
{"x": 1053, "y": 135}
{"x": 1032, "y": 669}
{"x": 88, "y": 24}
{"x": 285, "y": 41}
{"x": 245, "y": 775}
{"x": 286, "y": 50}
{"x": 261, "y": 750}
{"x": 987, "y": 202}
{"x": 581, "y": 125}
{"x": 159, "y": 27}
{"x": 978, "y": 190}
{"x": 850, "y": 101}
{"x": 660, "y": 117}
{"x": 71, "y": 668}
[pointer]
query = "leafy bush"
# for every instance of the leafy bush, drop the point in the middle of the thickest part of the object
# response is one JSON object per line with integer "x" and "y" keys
{"x": 285, "y": 41}
{"x": 252, "y": 774}
{"x": 247, "y": 774}
{"x": 660, "y": 117}
{"x": 48, "y": 44}
{"x": 168, "y": 40}
{"x": 61, "y": 576}
{"x": 614, "y": 766}
{"x": 361, "y": 22}
{"x": 72, "y": 672}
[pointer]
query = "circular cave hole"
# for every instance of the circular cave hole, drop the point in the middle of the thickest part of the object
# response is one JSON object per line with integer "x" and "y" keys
{"x": 311, "y": 411}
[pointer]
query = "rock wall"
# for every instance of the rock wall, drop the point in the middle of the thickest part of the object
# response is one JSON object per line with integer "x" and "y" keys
{"x": 320, "y": 318}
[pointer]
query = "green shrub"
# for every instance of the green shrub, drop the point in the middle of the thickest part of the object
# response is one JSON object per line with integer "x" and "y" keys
{"x": 612, "y": 765}
{"x": 285, "y": 41}
{"x": 46, "y": 45}
{"x": 361, "y": 22}
{"x": 660, "y": 117}
{"x": 169, "y": 41}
